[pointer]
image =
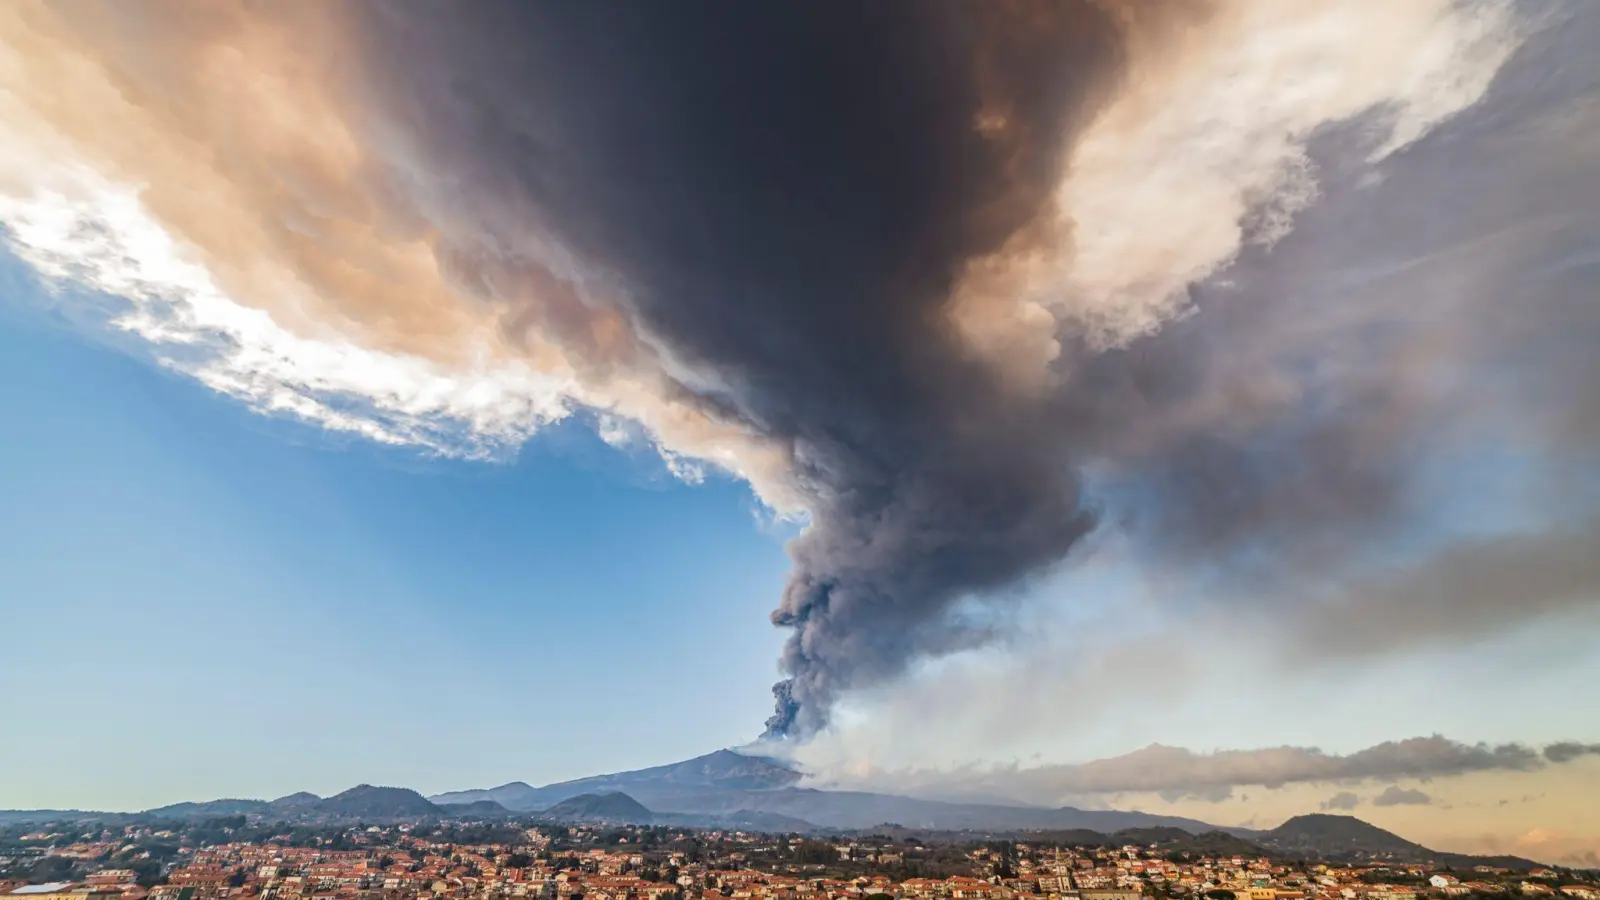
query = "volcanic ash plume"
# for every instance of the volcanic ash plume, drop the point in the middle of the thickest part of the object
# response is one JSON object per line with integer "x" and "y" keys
{"x": 911, "y": 269}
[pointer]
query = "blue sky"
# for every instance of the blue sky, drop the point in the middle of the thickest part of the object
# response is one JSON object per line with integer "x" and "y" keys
{"x": 234, "y": 604}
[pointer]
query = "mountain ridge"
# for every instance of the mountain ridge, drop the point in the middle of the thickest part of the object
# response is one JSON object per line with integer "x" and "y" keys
{"x": 1340, "y": 837}
{"x": 367, "y": 801}
{"x": 610, "y": 807}
{"x": 727, "y": 782}
{"x": 726, "y": 789}
{"x": 723, "y": 769}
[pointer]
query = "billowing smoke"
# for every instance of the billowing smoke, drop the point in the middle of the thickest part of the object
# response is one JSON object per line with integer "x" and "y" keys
{"x": 944, "y": 279}
{"x": 786, "y": 198}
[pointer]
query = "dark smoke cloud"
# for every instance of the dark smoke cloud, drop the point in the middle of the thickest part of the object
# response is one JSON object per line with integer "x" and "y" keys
{"x": 784, "y": 196}
{"x": 838, "y": 249}
{"x": 1567, "y": 751}
{"x": 780, "y": 202}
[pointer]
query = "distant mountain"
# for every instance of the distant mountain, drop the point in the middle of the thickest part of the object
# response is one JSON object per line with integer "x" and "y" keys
{"x": 19, "y": 816}
{"x": 744, "y": 819}
{"x": 484, "y": 809}
{"x": 613, "y": 807}
{"x": 367, "y": 802}
{"x": 297, "y": 800}
{"x": 1321, "y": 834}
{"x": 230, "y": 807}
{"x": 728, "y": 790}
{"x": 723, "y": 770}
{"x": 851, "y": 810}
{"x": 725, "y": 783}
{"x": 515, "y": 795}
{"x": 1177, "y": 840}
{"x": 1324, "y": 836}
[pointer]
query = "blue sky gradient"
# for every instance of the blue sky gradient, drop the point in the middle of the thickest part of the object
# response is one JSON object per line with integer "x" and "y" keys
{"x": 231, "y": 604}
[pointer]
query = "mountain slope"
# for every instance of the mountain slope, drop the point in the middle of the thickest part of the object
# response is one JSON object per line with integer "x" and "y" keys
{"x": 610, "y": 807}
{"x": 228, "y": 807}
{"x": 722, "y": 770}
{"x": 516, "y": 795}
{"x": 296, "y": 800}
{"x": 725, "y": 783}
{"x": 860, "y": 809}
{"x": 19, "y": 816}
{"x": 367, "y": 802}
{"x": 1324, "y": 836}
{"x": 482, "y": 809}
{"x": 1336, "y": 837}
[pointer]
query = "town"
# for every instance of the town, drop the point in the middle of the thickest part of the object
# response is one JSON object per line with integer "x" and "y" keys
{"x": 230, "y": 858}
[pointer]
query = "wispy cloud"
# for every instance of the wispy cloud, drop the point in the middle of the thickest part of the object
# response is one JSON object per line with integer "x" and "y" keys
{"x": 82, "y": 234}
{"x": 1344, "y": 800}
{"x": 1395, "y": 795}
{"x": 1178, "y": 773}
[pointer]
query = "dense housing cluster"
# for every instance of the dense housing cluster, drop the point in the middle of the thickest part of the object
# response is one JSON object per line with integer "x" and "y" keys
{"x": 230, "y": 859}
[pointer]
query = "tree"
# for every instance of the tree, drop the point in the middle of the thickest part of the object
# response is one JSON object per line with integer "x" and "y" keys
{"x": 52, "y": 868}
{"x": 147, "y": 872}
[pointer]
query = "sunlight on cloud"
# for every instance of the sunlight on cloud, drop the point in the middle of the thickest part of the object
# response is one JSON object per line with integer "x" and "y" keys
{"x": 84, "y": 232}
{"x": 1204, "y": 152}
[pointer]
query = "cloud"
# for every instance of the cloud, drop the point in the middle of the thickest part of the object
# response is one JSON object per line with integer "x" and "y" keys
{"x": 84, "y": 234}
{"x": 1540, "y": 842}
{"x": 1342, "y": 801}
{"x": 1567, "y": 751}
{"x": 1218, "y": 794}
{"x": 1394, "y": 795}
{"x": 1177, "y": 773}
{"x": 1457, "y": 592}
{"x": 1551, "y": 843}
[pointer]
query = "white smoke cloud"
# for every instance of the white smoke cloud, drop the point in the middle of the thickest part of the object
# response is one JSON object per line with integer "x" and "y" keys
{"x": 83, "y": 233}
{"x": 1203, "y": 152}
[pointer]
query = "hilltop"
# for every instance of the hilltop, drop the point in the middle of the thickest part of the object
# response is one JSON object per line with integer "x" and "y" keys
{"x": 365, "y": 801}
{"x": 608, "y": 807}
